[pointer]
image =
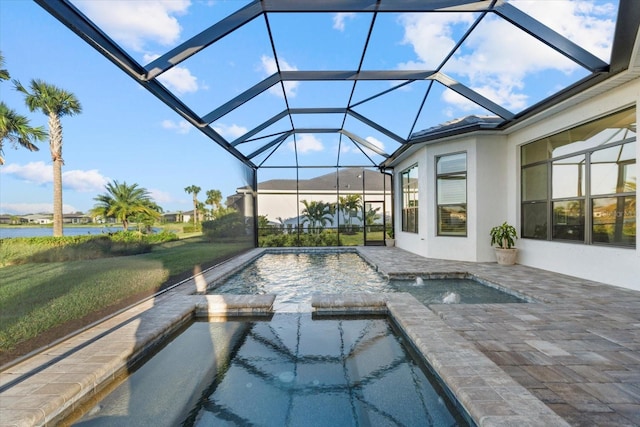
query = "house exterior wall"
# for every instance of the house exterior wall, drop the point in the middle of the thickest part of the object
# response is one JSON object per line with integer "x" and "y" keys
{"x": 615, "y": 266}
{"x": 493, "y": 196}
{"x": 285, "y": 205}
{"x": 486, "y": 199}
{"x": 412, "y": 242}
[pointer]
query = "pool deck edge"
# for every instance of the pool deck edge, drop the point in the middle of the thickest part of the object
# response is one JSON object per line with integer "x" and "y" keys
{"x": 571, "y": 357}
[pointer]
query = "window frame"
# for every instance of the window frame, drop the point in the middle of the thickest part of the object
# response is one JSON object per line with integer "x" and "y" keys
{"x": 409, "y": 200}
{"x": 587, "y": 197}
{"x": 450, "y": 174}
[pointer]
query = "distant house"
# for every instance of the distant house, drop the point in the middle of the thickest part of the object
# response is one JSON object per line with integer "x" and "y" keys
{"x": 41, "y": 219}
{"x": 76, "y": 218}
{"x": 281, "y": 199}
{"x": 9, "y": 219}
{"x": 179, "y": 216}
{"x": 171, "y": 216}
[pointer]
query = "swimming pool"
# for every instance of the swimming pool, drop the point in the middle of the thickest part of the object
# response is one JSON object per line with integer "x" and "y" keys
{"x": 292, "y": 370}
{"x": 453, "y": 291}
{"x": 295, "y": 277}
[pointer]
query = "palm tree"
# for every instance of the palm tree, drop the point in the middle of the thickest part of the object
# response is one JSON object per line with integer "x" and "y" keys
{"x": 317, "y": 214}
{"x": 350, "y": 205}
{"x": 15, "y": 127}
{"x": 370, "y": 217}
{"x": 194, "y": 189}
{"x": 54, "y": 103}
{"x": 123, "y": 202}
{"x": 4, "y": 74}
{"x": 214, "y": 197}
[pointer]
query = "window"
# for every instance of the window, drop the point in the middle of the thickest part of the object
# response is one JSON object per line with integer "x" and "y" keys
{"x": 409, "y": 179}
{"x": 451, "y": 192}
{"x": 583, "y": 183}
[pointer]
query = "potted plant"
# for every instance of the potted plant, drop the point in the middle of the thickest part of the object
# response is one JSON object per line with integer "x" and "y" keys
{"x": 504, "y": 237}
{"x": 389, "y": 240}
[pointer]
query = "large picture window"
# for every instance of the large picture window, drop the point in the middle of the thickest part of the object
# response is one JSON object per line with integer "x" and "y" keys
{"x": 580, "y": 185}
{"x": 409, "y": 178}
{"x": 451, "y": 196}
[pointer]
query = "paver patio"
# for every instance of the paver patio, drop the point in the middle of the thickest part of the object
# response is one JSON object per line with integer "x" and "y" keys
{"x": 575, "y": 349}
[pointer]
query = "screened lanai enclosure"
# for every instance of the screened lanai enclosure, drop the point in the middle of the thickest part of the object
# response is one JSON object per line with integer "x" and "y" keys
{"x": 313, "y": 100}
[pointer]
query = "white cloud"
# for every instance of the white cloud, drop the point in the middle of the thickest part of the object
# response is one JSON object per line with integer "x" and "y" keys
{"x": 430, "y": 35}
{"x": 497, "y": 57}
{"x": 40, "y": 173}
{"x": 84, "y": 181}
{"x": 340, "y": 18}
{"x": 269, "y": 66}
{"x": 454, "y": 98}
{"x": 181, "y": 127}
{"x": 586, "y": 23}
{"x": 33, "y": 172}
{"x": 373, "y": 141}
{"x": 306, "y": 143}
{"x": 137, "y": 23}
{"x": 160, "y": 196}
{"x": 376, "y": 142}
{"x": 230, "y": 131}
{"x": 179, "y": 79}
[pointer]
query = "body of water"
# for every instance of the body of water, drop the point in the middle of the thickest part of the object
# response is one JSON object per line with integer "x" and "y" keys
{"x": 295, "y": 277}
{"x": 292, "y": 370}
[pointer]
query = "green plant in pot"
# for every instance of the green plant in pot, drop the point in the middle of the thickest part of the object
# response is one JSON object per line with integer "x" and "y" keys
{"x": 389, "y": 239}
{"x": 503, "y": 237}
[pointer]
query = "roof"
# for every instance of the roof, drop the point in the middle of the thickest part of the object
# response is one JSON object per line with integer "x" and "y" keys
{"x": 469, "y": 122}
{"x": 349, "y": 180}
{"x": 370, "y": 78}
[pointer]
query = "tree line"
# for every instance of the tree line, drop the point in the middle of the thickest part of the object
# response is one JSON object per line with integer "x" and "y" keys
{"x": 123, "y": 202}
{"x": 316, "y": 215}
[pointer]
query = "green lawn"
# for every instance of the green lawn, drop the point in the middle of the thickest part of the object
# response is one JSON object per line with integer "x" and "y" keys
{"x": 36, "y": 297}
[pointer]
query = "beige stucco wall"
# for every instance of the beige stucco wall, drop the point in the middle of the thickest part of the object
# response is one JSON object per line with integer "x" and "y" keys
{"x": 493, "y": 191}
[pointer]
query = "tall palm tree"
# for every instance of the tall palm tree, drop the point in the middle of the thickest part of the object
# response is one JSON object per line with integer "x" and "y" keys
{"x": 194, "y": 189}
{"x": 350, "y": 205}
{"x": 4, "y": 74}
{"x": 123, "y": 202}
{"x": 317, "y": 214}
{"x": 15, "y": 127}
{"x": 214, "y": 197}
{"x": 54, "y": 103}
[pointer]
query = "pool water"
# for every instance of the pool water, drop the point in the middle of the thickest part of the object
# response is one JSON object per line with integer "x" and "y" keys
{"x": 453, "y": 291}
{"x": 295, "y": 277}
{"x": 292, "y": 370}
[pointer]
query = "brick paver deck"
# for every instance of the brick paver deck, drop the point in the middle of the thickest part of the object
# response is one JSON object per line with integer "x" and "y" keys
{"x": 577, "y": 349}
{"x": 572, "y": 356}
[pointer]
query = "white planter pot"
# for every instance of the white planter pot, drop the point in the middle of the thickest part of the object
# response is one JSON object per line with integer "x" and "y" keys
{"x": 390, "y": 242}
{"x": 506, "y": 256}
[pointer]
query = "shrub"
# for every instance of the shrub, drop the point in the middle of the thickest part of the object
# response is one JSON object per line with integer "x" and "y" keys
{"x": 192, "y": 228}
{"x": 304, "y": 239}
{"x": 23, "y": 250}
{"x": 232, "y": 224}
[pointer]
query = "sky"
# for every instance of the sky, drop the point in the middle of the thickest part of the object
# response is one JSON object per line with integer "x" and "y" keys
{"x": 125, "y": 134}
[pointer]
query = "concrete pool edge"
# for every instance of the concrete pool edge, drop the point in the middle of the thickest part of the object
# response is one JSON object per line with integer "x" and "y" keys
{"x": 44, "y": 389}
{"x": 484, "y": 391}
{"x": 59, "y": 382}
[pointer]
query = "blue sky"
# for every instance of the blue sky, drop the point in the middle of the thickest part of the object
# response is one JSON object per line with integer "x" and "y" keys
{"x": 125, "y": 134}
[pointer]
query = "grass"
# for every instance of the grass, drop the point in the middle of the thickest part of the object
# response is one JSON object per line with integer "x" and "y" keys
{"x": 37, "y": 297}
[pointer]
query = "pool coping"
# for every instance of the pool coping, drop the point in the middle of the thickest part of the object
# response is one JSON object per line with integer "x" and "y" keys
{"x": 488, "y": 395}
{"x": 43, "y": 389}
